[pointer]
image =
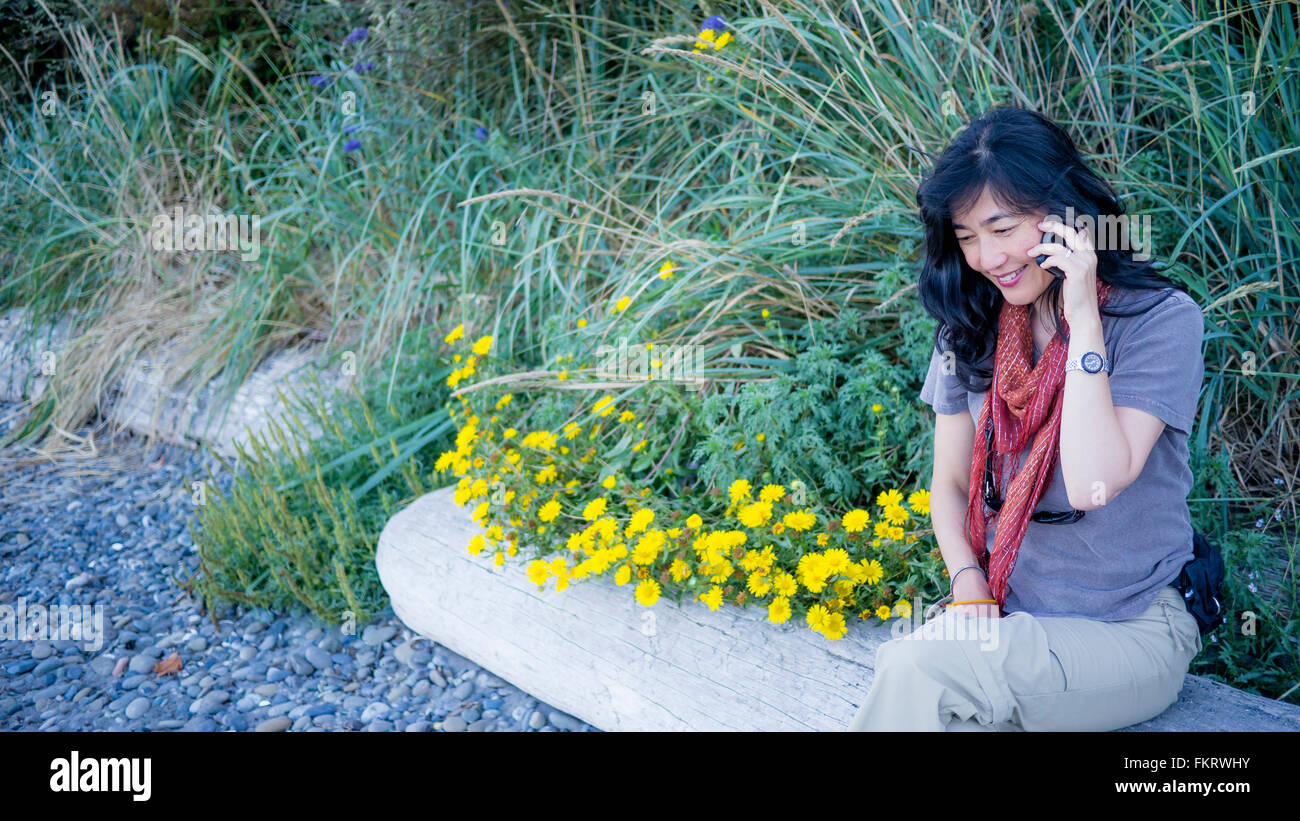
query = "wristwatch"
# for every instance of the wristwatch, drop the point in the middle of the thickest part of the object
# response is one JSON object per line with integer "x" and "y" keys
{"x": 1090, "y": 362}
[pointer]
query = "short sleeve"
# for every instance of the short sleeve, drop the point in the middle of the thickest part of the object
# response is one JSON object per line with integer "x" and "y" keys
{"x": 1158, "y": 366}
{"x": 942, "y": 391}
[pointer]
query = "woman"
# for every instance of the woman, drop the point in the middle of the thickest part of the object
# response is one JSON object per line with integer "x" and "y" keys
{"x": 1060, "y": 478}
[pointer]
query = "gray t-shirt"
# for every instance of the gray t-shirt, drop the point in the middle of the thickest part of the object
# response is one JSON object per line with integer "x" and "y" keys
{"x": 1110, "y": 564}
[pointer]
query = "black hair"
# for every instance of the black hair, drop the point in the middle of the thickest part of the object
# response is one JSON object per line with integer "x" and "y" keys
{"x": 1028, "y": 164}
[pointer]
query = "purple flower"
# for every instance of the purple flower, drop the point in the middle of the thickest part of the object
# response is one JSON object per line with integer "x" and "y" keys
{"x": 362, "y": 68}
{"x": 352, "y": 144}
{"x": 481, "y": 133}
{"x": 320, "y": 81}
{"x": 716, "y": 23}
{"x": 356, "y": 36}
{"x": 348, "y": 129}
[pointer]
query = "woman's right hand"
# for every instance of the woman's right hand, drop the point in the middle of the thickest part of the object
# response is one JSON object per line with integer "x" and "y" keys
{"x": 972, "y": 585}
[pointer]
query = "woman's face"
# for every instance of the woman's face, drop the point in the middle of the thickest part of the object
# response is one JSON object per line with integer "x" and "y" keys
{"x": 996, "y": 245}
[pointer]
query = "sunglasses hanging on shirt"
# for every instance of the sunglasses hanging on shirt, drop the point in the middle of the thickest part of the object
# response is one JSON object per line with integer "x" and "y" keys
{"x": 994, "y": 501}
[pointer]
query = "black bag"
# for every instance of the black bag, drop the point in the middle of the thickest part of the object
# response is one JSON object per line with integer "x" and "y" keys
{"x": 1201, "y": 583}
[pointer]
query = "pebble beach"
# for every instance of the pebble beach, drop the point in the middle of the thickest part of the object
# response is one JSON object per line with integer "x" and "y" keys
{"x": 107, "y": 531}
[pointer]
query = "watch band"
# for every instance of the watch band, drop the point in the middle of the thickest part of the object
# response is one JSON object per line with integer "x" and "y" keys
{"x": 1088, "y": 362}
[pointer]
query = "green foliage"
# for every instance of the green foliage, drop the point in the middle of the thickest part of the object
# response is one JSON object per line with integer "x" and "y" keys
{"x": 301, "y": 520}
{"x": 818, "y": 424}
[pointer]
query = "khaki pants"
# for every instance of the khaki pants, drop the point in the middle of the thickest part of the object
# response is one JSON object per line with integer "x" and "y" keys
{"x": 1024, "y": 672}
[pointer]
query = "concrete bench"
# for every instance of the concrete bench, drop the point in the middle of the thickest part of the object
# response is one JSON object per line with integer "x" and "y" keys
{"x": 593, "y": 652}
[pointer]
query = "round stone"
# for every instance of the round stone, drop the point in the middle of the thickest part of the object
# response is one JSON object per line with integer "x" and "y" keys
{"x": 274, "y": 725}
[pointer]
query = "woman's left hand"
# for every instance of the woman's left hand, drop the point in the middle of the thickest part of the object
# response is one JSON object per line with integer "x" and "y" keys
{"x": 1078, "y": 261}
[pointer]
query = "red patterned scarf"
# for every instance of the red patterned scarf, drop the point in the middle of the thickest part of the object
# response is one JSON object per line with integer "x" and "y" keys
{"x": 1027, "y": 403}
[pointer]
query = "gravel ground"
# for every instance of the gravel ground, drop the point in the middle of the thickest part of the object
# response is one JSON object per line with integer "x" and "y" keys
{"x": 102, "y": 539}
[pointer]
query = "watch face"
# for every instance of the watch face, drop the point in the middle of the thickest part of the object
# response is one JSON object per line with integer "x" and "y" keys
{"x": 1091, "y": 362}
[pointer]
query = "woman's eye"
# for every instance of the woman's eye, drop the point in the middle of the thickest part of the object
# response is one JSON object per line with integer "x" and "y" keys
{"x": 1004, "y": 231}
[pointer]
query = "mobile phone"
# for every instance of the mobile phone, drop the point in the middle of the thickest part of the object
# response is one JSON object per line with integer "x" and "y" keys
{"x": 1050, "y": 238}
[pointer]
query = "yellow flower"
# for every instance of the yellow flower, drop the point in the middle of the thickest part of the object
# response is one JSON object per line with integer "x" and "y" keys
{"x": 855, "y": 520}
{"x": 778, "y": 612}
{"x": 889, "y": 497}
{"x": 713, "y": 598}
{"x": 833, "y": 626}
{"x": 756, "y": 515}
{"x": 785, "y": 584}
{"x": 609, "y": 482}
{"x": 626, "y": 416}
{"x": 694, "y": 521}
{"x": 639, "y": 522}
{"x": 666, "y": 270}
{"x": 623, "y": 303}
{"x": 548, "y": 511}
{"x": 680, "y": 570}
{"x": 759, "y": 584}
{"x": 537, "y": 572}
{"x": 738, "y": 490}
{"x": 771, "y": 493}
{"x": 594, "y": 509}
{"x": 623, "y": 575}
{"x": 823, "y": 539}
{"x": 480, "y": 511}
{"x": 920, "y": 501}
{"x": 504, "y": 400}
{"x": 896, "y": 514}
{"x": 647, "y": 592}
{"x": 582, "y": 323}
{"x": 836, "y": 561}
{"x": 455, "y": 334}
{"x": 499, "y": 559}
{"x": 483, "y": 345}
{"x": 903, "y": 609}
{"x": 816, "y": 614}
{"x": 877, "y": 408}
{"x": 476, "y": 544}
{"x": 873, "y": 571}
{"x": 799, "y": 520}
{"x": 602, "y": 406}
{"x": 883, "y": 612}
{"x": 766, "y": 313}
{"x": 638, "y": 445}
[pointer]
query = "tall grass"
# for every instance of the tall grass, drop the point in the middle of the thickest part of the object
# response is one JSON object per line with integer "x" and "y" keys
{"x": 776, "y": 173}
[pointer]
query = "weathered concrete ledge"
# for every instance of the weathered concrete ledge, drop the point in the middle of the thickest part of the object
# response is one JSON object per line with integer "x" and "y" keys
{"x": 591, "y": 651}
{"x": 140, "y": 403}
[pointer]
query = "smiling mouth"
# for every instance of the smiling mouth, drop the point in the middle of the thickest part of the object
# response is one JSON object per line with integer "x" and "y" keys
{"x": 1013, "y": 276}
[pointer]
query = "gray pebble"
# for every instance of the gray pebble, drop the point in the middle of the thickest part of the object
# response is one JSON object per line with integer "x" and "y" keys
{"x": 564, "y": 721}
{"x": 209, "y": 703}
{"x": 318, "y": 658}
{"x": 377, "y": 634}
{"x": 375, "y": 710}
{"x": 274, "y": 725}
{"x": 137, "y": 708}
{"x": 198, "y": 644}
{"x": 537, "y": 721}
{"x": 141, "y": 664}
{"x": 42, "y": 650}
{"x": 454, "y": 724}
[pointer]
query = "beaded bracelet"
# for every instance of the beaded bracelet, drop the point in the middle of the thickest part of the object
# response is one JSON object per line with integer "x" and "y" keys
{"x": 973, "y": 601}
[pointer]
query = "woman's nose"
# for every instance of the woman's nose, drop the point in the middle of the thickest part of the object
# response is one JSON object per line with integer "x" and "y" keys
{"x": 991, "y": 256}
